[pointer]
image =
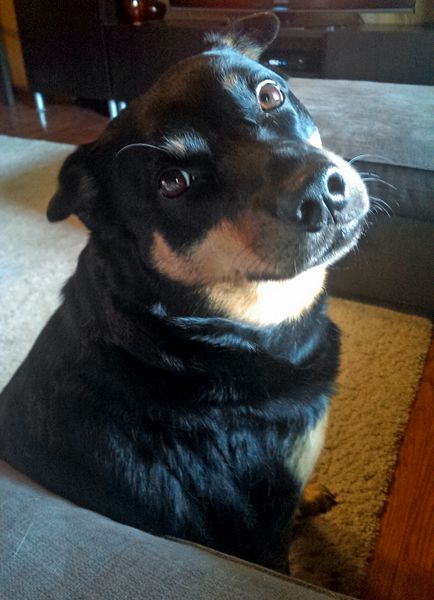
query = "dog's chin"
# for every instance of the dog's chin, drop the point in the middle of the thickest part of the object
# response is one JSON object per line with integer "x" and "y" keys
{"x": 345, "y": 239}
{"x": 340, "y": 242}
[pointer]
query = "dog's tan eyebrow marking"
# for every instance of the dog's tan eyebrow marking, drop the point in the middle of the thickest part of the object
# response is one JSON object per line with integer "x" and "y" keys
{"x": 231, "y": 81}
{"x": 185, "y": 144}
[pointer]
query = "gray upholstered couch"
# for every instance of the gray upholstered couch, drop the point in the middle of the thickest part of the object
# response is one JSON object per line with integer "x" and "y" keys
{"x": 50, "y": 549}
{"x": 393, "y": 126}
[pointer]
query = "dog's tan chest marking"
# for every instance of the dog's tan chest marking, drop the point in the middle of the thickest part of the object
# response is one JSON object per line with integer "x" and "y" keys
{"x": 269, "y": 302}
{"x": 306, "y": 450}
{"x": 219, "y": 263}
{"x": 315, "y": 139}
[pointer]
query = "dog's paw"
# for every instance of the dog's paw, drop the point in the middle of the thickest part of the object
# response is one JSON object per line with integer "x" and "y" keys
{"x": 317, "y": 499}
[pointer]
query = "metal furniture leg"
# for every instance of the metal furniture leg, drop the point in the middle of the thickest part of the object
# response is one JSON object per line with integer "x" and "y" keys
{"x": 113, "y": 109}
{"x": 39, "y": 101}
{"x": 40, "y": 107}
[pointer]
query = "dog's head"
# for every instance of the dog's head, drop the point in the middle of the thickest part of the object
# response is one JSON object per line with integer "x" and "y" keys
{"x": 218, "y": 176}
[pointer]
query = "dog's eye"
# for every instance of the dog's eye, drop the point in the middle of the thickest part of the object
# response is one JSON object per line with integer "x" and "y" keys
{"x": 269, "y": 95}
{"x": 174, "y": 182}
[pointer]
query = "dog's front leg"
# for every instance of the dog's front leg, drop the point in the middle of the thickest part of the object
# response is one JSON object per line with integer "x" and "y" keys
{"x": 317, "y": 499}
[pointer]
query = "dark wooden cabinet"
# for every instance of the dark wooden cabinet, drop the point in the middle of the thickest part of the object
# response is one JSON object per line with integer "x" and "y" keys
{"x": 64, "y": 47}
{"x": 138, "y": 55}
{"x": 81, "y": 48}
{"x": 393, "y": 54}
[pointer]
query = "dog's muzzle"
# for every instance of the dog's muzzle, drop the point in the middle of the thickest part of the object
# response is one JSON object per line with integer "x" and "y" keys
{"x": 323, "y": 193}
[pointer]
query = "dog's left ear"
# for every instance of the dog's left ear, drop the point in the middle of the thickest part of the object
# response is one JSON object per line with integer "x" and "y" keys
{"x": 250, "y": 35}
{"x": 77, "y": 191}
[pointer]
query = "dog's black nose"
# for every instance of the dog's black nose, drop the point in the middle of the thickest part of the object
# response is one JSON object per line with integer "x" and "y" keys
{"x": 323, "y": 196}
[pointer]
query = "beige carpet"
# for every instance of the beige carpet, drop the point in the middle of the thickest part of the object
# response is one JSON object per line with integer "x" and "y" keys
{"x": 381, "y": 365}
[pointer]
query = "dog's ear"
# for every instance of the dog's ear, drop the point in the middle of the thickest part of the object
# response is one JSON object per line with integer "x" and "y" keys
{"x": 250, "y": 35}
{"x": 77, "y": 189}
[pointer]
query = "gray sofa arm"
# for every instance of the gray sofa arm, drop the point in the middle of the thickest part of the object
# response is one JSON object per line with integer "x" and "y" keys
{"x": 391, "y": 125}
{"x": 52, "y": 549}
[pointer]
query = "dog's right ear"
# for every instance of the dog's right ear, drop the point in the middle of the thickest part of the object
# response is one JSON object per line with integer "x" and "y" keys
{"x": 250, "y": 35}
{"x": 77, "y": 189}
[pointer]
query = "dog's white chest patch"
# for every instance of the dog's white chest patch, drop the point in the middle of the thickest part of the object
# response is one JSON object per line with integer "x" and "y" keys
{"x": 277, "y": 301}
{"x": 315, "y": 139}
{"x": 270, "y": 302}
{"x": 306, "y": 450}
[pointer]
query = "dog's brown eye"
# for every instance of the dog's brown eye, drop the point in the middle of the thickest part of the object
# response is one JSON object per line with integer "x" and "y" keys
{"x": 269, "y": 95}
{"x": 174, "y": 182}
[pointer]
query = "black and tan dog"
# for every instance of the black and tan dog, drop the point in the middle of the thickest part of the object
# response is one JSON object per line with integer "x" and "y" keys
{"x": 182, "y": 386}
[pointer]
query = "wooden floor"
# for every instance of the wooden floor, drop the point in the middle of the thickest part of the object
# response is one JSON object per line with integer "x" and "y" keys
{"x": 65, "y": 122}
{"x": 403, "y": 563}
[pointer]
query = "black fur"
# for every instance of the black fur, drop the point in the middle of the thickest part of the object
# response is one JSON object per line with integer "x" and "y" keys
{"x": 139, "y": 399}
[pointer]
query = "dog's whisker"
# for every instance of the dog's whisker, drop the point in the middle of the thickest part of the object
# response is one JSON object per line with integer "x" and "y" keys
{"x": 378, "y": 180}
{"x": 368, "y": 174}
{"x": 141, "y": 145}
{"x": 370, "y": 156}
{"x": 378, "y": 205}
{"x": 380, "y": 201}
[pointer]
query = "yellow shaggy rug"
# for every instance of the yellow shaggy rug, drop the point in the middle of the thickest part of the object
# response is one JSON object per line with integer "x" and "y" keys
{"x": 383, "y": 354}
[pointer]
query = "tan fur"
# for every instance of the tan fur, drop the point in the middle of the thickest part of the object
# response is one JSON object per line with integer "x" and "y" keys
{"x": 228, "y": 40}
{"x": 175, "y": 146}
{"x": 219, "y": 264}
{"x": 231, "y": 81}
{"x": 317, "y": 499}
{"x": 250, "y": 49}
{"x": 306, "y": 451}
{"x": 224, "y": 256}
{"x": 171, "y": 264}
{"x": 181, "y": 145}
{"x": 269, "y": 302}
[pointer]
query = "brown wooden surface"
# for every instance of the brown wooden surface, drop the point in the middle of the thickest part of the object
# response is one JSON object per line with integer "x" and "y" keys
{"x": 66, "y": 122}
{"x": 403, "y": 563}
{"x": 402, "y": 566}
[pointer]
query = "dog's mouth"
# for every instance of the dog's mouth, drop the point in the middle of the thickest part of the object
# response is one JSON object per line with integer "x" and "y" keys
{"x": 283, "y": 251}
{"x": 344, "y": 238}
{"x": 255, "y": 247}
{"x": 315, "y": 223}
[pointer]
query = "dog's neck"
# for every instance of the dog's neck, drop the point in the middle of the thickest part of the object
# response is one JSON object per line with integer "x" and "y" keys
{"x": 257, "y": 304}
{"x": 267, "y": 303}
{"x": 243, "y": 314}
